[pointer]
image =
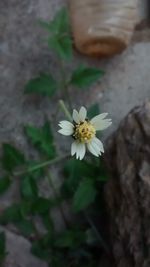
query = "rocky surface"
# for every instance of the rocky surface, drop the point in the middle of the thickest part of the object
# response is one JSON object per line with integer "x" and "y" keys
{"x": 18, "y": 249}
{"x": 128, "y": 191}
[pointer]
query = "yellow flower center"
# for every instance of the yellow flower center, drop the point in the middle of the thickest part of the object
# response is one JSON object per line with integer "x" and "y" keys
{"x": 84, "y": 132}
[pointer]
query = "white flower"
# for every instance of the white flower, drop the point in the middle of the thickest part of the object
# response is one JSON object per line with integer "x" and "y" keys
{"x": 83, "y": 132}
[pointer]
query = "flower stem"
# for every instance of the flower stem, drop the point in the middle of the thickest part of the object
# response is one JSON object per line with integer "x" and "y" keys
{"x": 40, "y": 165}
{"x": 65, "y": 84}
{"x": 49, "y": 177}
{"x": 65, "y": 110}
{"x": 91, "y": 223}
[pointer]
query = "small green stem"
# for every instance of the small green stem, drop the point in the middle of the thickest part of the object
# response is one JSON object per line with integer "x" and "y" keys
{"x": 65, "y": 110}
{"x": 65, "y": 84}
{"x": 41, "y": 165}
{"x": 56, "y": 196}
{"x": 91, "y": 223}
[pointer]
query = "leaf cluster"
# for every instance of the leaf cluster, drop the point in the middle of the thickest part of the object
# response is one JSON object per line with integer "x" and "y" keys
{"x": 60, "y": 41}
{"x": 80, "y": 187}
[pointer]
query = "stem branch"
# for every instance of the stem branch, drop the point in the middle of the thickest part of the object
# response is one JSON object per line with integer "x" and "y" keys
{"x": 91, "y": 223}
{"x": 65, "y": 84}
{"x": 65, "y": 110}
{"x": 57, "y": 197}
{"x": 40, "y": 165}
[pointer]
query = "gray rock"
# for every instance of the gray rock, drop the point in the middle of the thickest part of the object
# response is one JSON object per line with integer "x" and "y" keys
{"x": 128, "y": 191}
{"x": 18, "y": 249}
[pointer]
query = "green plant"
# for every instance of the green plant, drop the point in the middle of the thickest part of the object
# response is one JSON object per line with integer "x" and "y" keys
{"x": 83, "y": 181}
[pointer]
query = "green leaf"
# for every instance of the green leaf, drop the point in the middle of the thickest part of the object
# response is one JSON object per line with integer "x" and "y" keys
{"x": 42, "y": 139}
{"x": 11, "y": 157}
{"x": 60, "y": 38}
{"x": 84, "y": 196}
{"x": 28, "y": 187}
{"x": 70, "y": 239}
{"x": 93, "y": 111}
{"x": 41, "y": 205}
{"x": 103, "y": 178}
{"x": 43, "y": 85}
{"x": 11, "y": 214}
{"x": 26, "y": 227}
{"x": 84, "y": 77}
{"x": 40, "y": 251}
{"x": 62, "y": 45}
{"x": 103, "y": 173}
{"x": 2, "y": 247}
{"x": 58, "y": 259}
{"x": 47, "y": 222}
{"x": 73, "y": 177}
{"x": 25, "y": 207}
{"x": 41, "y": 248}
{"x": 4, "y": 184}
{"x": 60, "y": 23}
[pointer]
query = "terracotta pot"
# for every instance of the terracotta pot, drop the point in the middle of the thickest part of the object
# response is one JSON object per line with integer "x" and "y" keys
{"x": 102, "y": 27}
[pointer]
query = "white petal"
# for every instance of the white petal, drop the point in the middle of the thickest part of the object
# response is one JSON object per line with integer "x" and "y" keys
{"x": 65, "y": 131}
{"x": 92, "y": 149}
{"x": 82, "y": 113}
{"x": 67, "y": 128}
{"x": 100, "y": 123}
{"x": 98, "y": 144}
{"x": 99, "y": 117}
{"x": 74, "y": 148}
{"x": 96, "y": 147}
{"x": 67, "y": 124}
{"x": 75, "y": 116}
{"x": 80, "y": 150}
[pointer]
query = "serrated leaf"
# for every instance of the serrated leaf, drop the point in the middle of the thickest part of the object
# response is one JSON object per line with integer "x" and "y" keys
{"x": 60, "y": 23}
{"x": 84, "y": 77}
{"x": 4, "y": 184}
{"x": 73, "y": 177}
{"x": 11, "y": 157}
{"x": 60, "y": 38}
{"x": 62, "y": 45}
{"x": 26, "y": 227}
{"x": 93, "y": 111}
{"x": 28, "y": 188}
{"x": 42, "y": 139}
{"x": 44, "y": 85}
{"x": 2, "y": 247}
{"x": 84, "y": 196}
